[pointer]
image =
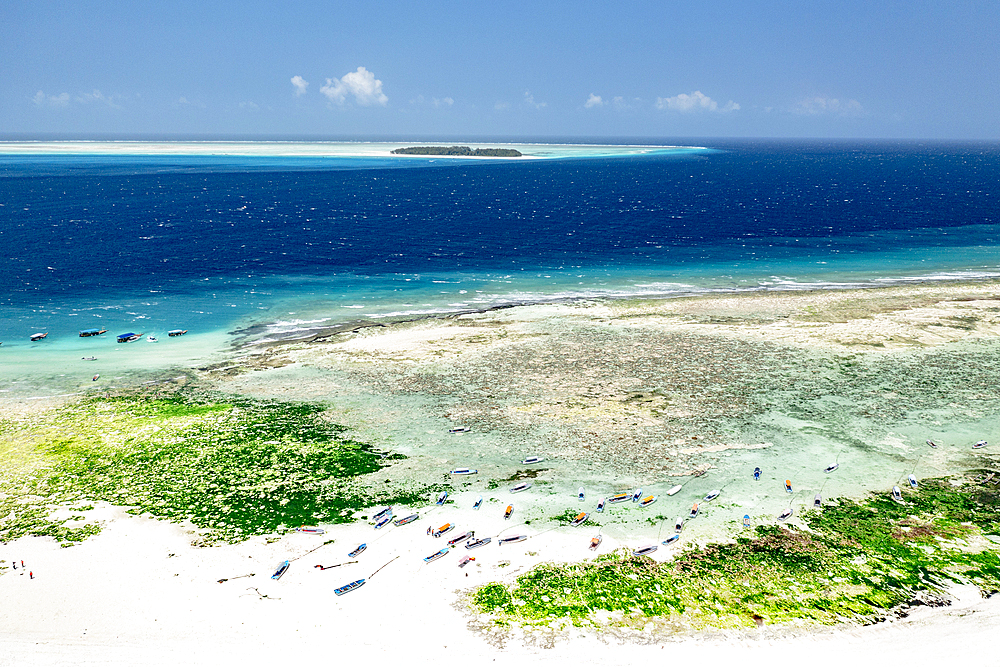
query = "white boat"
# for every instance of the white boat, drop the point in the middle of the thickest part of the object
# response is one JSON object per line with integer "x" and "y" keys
{"x": 381, "y": 513}
{"x": 479, "y": 502}
{"x": 512, "y": 539}
{"x": 438, "y": 532}
{"x": 310, "y": 530}
{"x": 357, "y": 551}
{"x": 694, "y": 511}
{"x": 459, "y": 429}
{"x": 463, "y": 471}
{"x": 600, "y": 505}
{"x": 831, "y": 468}
{"x": 580, "y": 494}
{"x": 756, "y": 474}
{"x": 478, "y": 543}
{"x": 646, "y": 550}
{"x": 518, "y": 488}
{"x": 679, "y": 525}
{"x": 788, "y": 485}
{"x": 818, "y": 500}
{"x": 671, "y": 539}
{"x": 37, "y": 336}
{"x": 784, "y": 515}
{"x": 636, "y": 495}
{"x": 467, "y": 535}
{"x": 980, "y": 444}
{"x": 383, "y": 521}
{"x": 433, "y": 557}
{"x": 713, "y": 494}
{"x": 508, "y": 512}
{"x": 595, "y": 542}
{"x": 932, "y": 443}
{"x": 405, "y": 520}
{"x": 151, "y": 339}
{"x": 466, "y": 560}
{"x": 618, "y": 498}
{"x": 282, "y": 568}
{"x": 912, "y": 479}
{"x": 897, "y": 495}
{"x": 746, "y": 520}
{"x": 443, "y": 497}
{"x": 532, "y": 459}
{"x": 579, "y": 519}
{"x": 647, "y": 501}
{"x": 673, "y": 490}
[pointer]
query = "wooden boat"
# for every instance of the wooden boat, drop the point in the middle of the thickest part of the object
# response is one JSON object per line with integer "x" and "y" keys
{"x": 647, "y": 501}
{"x": 406, "y": 519}
{"x": 381, "y": 513}
{"x": 581, "y": 494}
{"x": 347, "y": 588}
{"x": 756, "y": 474}
{"x": 831, "y": 468}
{"x": 579, "y": 519}
{"x": 467, "y": 535}
{"x": 282, "y": 568}
{"x": 463, "y": 471}
{"x": 37, "y": 336}
{"x": 897, "y": 495}
{"x": 694, "y": 511}
{"x": 310, "y": 530}
{"x": 87, "y": 333}
{"x": 788, "y": 485}
{"x": 600, "y": 505}
{"x": 532, "y": 459}
{"x": 466, "y": 560}
{"x": 383, "y": 521}
{"x": 508, "y": 512}
{"x": 818, "y": 500}
{"x": 636, "y": 495}
{"x": 475, "y": 544}
{"x": 713, "y": 494}
{"x": 434, "y": 556}
{"x": 512, "y": 540}
{"x": 784, "y": 515}
{"x": 912, "y": 479}
{"x": 673, "y": 538}
{"x": 459, "y": 429}
{"x": 442, "y": 530}
{"x": 443, "y": 497}
{"x": 619, "y": 498}
{"x": 179, "y": 332}
{"x": 595, "y": 542}
{"x": 673, "y": 490}
{"x": 679, "y": 525}
{"x": 479, "y": 502}
{"x": 357, "y": 552}
{"x": 646, "y": 550}
{"x": 980, "y": 444}
{"x": 932, "y": 444}
{"x": 746, "y": 520}
{"x": 523, "y": 486}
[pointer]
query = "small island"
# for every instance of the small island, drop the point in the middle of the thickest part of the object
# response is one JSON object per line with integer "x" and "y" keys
{"x": 462, "y": 151}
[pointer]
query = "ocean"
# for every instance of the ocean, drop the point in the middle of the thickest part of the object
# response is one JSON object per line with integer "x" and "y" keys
{"x": 235, "y": 248}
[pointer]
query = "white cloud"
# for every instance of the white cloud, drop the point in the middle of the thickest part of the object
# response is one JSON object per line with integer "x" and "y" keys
{"x": 59, "y": 100}
{"x": 97, "y": 96}
{"x": 815, "y": 106}
{"x": 443, "y": 102}
{"x": 248, "y": 105}
{"x": 300, "y": 85}
{"x": 500, "y": 106}
{"x": 529, "y": 99}
{"x": 361, "y": 85}
{"x": 593, "y": 101}
{"x": 696, "y": 101}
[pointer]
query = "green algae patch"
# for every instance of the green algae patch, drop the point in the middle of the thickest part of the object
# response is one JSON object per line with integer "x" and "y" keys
{"x": 232, "y": 466}
{"x": 850, "y": 561}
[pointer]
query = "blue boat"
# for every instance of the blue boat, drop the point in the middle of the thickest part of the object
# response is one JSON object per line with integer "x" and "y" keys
{"x": 356, "y": 552}
{"x": 433, "y": 557}
{"x": 443, "y": 497}
{"x": 353, "y": 586}
{"x": 756, "y": 474}
{"x": 479, "y": 501}
{"x": 86, "y": 333}
{"x": 129, "y": 337}
{"x": 406, "y": 520}
{"x": 281, "y": 570}
{"x": 670, "y": 540}
{"x": 384, "y": 520}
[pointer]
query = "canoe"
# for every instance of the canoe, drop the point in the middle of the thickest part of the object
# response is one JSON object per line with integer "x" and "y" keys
{"x": 694, "y": 511}
{"x": 466, "y": 560}
{"x": 443, "y": 497}
{"x": 636, "y": 495}
{"x": 406, "y": 519}
{"x": 467, "y": 535}
{"x": 784, "y": 515}
{"x": 756, "y": 474}
{"x": 347, "y": 588}
{"x": 595, "y": 542}
{"x": 671, "y": 539}
{"x": 581, "y": 494}
{"x": 459, "y": 429}
{"x": 508, "y": 512}
{"x": 673, "y": 490}
{"x": 980, "y": 444}
{"x": 679, "y": 525}
{"x": 912, "y": 479}
{"x": 579, "y": 519}
{"x": 357, "y": 551}
{"x": 442, "y": 530}
{"x": 463, "y": 471}
{"x": 532, "y": 459}
{"x": 600, "y": 505}
{"x": 310, "y": 530}
{"x": 646, "y": 550}
{"x": 713, "y": 494}
{"x": 618, "y": 498}
{"x": 932, "y": 443}
{"x": 512, "y": 540}
{"x": 523, "y": 486}
{"x": 831, "y": 468}
{"x": 282, "y": 568}
{"x": 647, "y": 501}
{"x": 479, "y": 543}
{"x": 433, "y": 557}
{"x": 383, "y": 521}
{"x": 381, "y": 513}
{"x": 897, "y": 495}
{"x": 788, "y": 485}
{"x": 479, "y": 501}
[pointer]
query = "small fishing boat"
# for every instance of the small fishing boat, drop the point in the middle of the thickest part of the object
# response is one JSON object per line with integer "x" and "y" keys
{"x": 512, "y": 539}
{"x": 746, "y": 520}
{"x": 479, "y": 502}
{"x": 818, "y": 500}
{"x": 94, "y": 379}
{"x": 694, "y": 511}
{"x": 784, "y": 515}
{"x": 442, "y": 530}
{"x": 600, "y": 505}
{"x": 518, "y": 488}
{"x": 89, "y": 358}
{"x": 282, "y": 568}
{"x": 581, "y": 494}
{"x": 673, "y": 490}
{"x": 788, "y": 485}
{"x": 479, "y": 543}
{"x": 618, "y": 498}
{"x": 467, "y": 535}
{"x": 595, "y": 542}
{"x": 756, "y": 474}
{"x": 532, "y": 459}
{"x": 357, "y": 552}
{"x": 347, "y": 588}
{"x": 383, "y": 521}
{"x": 980, "y": 444}
{"x": 464, "y": 471}
{"x": 310, "y": 530}
{"x": 151, "y": 339}
{"x": 508, "y": 512}
{"x": 177, "y": 332}
{"x": 646, "y": 550}
{"x": 381, "y": 513}
{"x": 579, "y": 519}
{"x": 912, "y": 479}
{"x": 128, "y": 337}
{"x": 38, "y": 336}
{"x": 647, "y": 501}
{"x": 87, "y": 333}
{"x": 713, "y": 494}
{"x": 406, "y": 519}
{"x": 459, "y": 429}
{"x": 636, "y": 495}
{"x": 831, "y": 468}
{"x": 434, "y": 556}
{"x": 671, "y": 539}
{"x": 932, "y": 444}
{"x": 897, "y": 495}
{"x": 679, "y": 525}
{"x": 443, "y": 497}
{"x": 466, "y": 560}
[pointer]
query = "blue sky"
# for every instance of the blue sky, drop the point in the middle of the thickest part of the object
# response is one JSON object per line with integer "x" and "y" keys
{"x": 712, "y": 68}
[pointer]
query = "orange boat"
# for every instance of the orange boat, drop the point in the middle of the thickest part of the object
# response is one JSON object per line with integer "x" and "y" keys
{"x": 580, "y": 518}
{"x": 510, "y": 510}
{"x": 442, "y": 530}
{"x": 595, "y": 542}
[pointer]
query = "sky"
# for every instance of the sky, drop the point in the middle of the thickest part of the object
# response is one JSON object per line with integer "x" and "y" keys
{"x": 911, "y": 69}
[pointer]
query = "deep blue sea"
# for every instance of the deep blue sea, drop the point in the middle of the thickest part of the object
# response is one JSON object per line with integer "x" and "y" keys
{"x": 222, "y": 243}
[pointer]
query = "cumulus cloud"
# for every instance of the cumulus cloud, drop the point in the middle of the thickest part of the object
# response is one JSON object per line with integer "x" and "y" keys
{"x": 593, "y": 101}
{"x": 500, "y": 106}
{"x": 815, "y": 106}
{"x": 60, "y": 100}
{"x": 695, "y": 102}
{"x": 97, "y": 97}
{"x": 300, "y": 85}
{"x": 443, "y": 102}
{"x": 361, "y": 85}
{"x": 529, "y": 99}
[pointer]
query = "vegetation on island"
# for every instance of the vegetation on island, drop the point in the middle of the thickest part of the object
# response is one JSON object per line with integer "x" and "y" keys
{"x": 232, "y": 466}
{"x": 848, "y": 561}
{"x": 463, "y": 151}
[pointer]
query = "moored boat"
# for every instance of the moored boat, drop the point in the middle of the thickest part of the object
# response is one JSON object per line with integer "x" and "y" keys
{"x": 980, "y": 444}
{"x": 756, "y": 474}
{"x": 818, "y": 500}
{"x": 595, "y": 542}
{"x": 434, "y": 556}
{"x": 581, "y": 494}
{"x": 383, "y": 521}
{"x": 694, "y": 511}
{"x": 674, "y": 489}
{"x": 912, "y": 479}
{"x": 381, "y": 513}
{"x": 151, "y": 339}
{"x": 508, "y": 511}
{"x": 438, "y": 532}
{"x": 646, "y": 550}
{"x": 618, "y": 498}
{"x": 831, "y": 468}
{"x": 128, "y": 337}
{"x": 466, "y": 560}
{"x": 784, "y": 515}
{"x": 788, "y": 485}
{"x": 532, "y": 459}
{"x": 679, "y": 525}
{"x": 518, "y": 488}
{"x": 87, "y": 333}
{"x": 479, "y": 502}
{"x": 600, "y": 505}
{"x": 464, "y": 471}
{"x": 406, "y": 519}
{"x": 636, "y": 495}
{"x": 89, "y": 358}
{"x": 932, "y": 444}
{"x": 357, "y": 551}
{"x": 579, "y": 519}
{"x": 467, "y": 535}
{"x": 443, "y": 497}
{"x": 746, "y": 520}
{"x": 673, "y": 538}
{"x": 310, "y": 530}
{"x": 347, "y": 588}
{"x": 647, "y": 501}
{"x": 459, "y": 429}
{"x": 475, "y": 544}
{"x": 713, "y": 494}
{"x": 38, "y": 336}
{"x": 897, "y": 495}
{"x": 177, "y": 332}
{"x": 282, "y": 568}
{"x": 512, "y": 539}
